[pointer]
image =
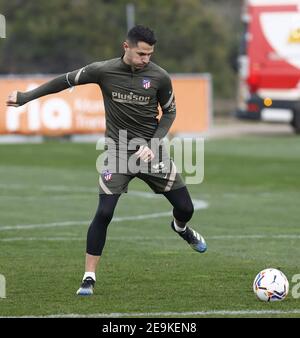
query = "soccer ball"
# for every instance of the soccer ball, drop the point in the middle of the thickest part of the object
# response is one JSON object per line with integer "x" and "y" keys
{"x": 271, "y": 285}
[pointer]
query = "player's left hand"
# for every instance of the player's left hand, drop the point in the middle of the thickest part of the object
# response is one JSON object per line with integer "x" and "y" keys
{"x": 145, "y": 154}
{"x": 12, "y": 99}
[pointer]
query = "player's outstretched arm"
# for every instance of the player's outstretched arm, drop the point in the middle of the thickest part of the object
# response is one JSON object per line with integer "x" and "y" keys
{"x": 81, "y": 76}
{"x": 17, "y": 98}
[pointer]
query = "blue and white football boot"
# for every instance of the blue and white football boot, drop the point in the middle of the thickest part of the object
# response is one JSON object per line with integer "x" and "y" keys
{"x": 87, "y": 287}
{"x": 194, "y": 239}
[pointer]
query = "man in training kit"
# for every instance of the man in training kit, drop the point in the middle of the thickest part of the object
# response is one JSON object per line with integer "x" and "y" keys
{"x": 132, "y": 88}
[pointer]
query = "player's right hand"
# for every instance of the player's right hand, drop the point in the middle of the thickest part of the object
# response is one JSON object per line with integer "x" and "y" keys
{"x": 12, "y": 99}
{"x": 145, "y": 153}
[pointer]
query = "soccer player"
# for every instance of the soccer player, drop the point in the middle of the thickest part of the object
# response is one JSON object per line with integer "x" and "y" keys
{"x": 132, "y": 88}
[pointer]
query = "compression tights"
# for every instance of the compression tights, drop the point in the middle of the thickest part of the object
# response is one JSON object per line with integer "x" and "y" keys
{"x": 182, "y": 210}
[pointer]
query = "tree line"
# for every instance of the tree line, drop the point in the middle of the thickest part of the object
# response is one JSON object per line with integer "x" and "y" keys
{"x": 57, "y": 36}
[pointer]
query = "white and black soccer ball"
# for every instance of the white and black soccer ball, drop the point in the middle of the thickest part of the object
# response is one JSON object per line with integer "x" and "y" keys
{"x": 271, "y": 285}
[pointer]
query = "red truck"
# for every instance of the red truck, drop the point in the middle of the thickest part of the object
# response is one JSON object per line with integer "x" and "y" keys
{"x": 269, "y": 62}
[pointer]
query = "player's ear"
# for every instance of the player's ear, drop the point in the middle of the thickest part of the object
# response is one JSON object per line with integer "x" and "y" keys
{"x": 125, "y": 45}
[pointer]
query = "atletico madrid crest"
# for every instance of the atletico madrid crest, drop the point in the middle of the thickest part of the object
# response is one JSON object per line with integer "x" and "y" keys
{"x": 107, "y": 175}
{"x": 146, "y": 83}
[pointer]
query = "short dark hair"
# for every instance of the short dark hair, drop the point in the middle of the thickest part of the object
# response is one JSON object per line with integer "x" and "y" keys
{"x": 141, "y": 33}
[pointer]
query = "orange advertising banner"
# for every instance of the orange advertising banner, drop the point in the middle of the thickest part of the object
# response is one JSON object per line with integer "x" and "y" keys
{"x": 80, "y": 110}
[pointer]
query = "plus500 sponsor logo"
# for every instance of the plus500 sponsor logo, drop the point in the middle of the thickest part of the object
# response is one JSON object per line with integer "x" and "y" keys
{"x": 130, "y": 98}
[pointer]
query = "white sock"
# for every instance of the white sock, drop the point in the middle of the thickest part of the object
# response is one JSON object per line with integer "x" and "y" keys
{"x": 177, "y": 228}
{"x": 89, "y": 274}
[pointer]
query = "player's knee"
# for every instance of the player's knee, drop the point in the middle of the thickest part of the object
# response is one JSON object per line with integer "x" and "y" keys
{"x": 104, "y": 215}
{"x": 184, "y": 212}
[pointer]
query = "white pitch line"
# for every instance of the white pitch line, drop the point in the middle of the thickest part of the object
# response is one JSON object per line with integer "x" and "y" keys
{"x": 61, "y": 197}
{"x": 48, "y": 188}
{"x": 42, "y": 225}
{"x": 167, "y": 314}
{"x": 258, "y": 236}
{"x": 16, "y": 239}
{"x": 66, "y": 188}
{"x": 150, "y": 238}
{"x": 198, "y": 204}
{"x": 71, "y": 223}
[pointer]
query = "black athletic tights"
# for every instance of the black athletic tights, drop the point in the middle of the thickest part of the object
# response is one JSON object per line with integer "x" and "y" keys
{"x": 182, "y": 210}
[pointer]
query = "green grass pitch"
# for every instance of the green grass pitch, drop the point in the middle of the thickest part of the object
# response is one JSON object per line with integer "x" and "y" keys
{"x": 48, "y": 195}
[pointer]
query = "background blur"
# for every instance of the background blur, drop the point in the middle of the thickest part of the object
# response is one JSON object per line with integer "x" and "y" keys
{"x": 194, "y": 36}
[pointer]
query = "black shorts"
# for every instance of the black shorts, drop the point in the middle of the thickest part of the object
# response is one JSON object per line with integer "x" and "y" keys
{"x": 159, "y": 182}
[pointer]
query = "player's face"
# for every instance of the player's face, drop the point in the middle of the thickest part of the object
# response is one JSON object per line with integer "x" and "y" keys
{"x": 137, "y": 56}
